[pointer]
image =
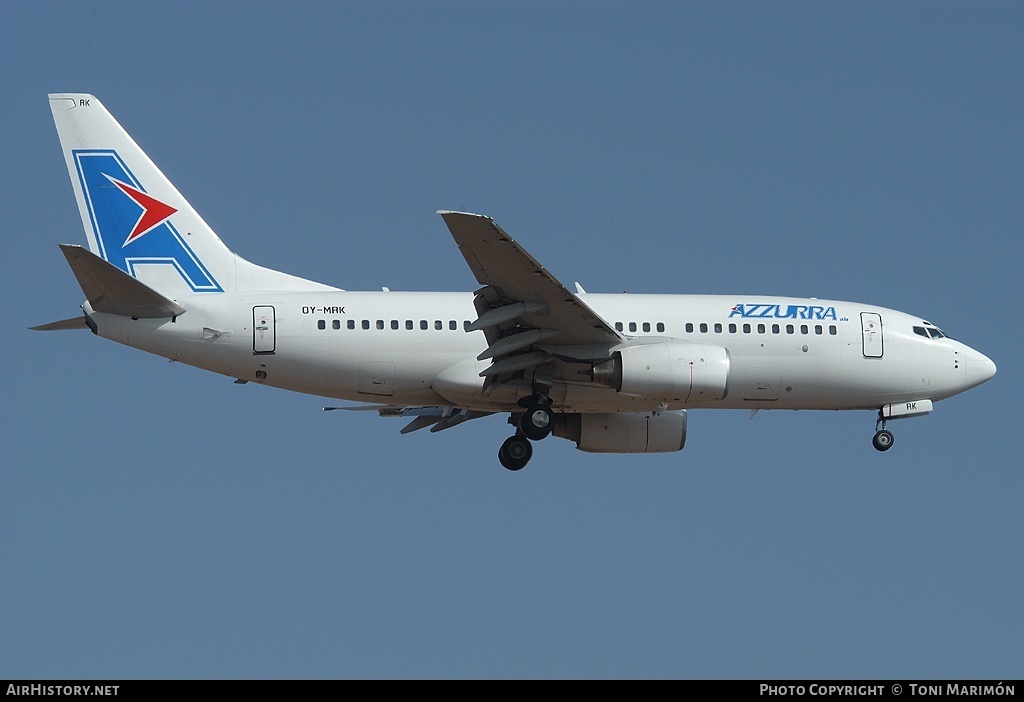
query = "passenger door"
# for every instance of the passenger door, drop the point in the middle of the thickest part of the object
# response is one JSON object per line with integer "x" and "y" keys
{"x": 264, "y": 330}
{"x": 871, "y": 334}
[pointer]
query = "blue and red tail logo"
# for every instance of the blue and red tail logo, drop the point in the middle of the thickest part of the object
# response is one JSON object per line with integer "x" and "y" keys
{"x": 133, "y": 228}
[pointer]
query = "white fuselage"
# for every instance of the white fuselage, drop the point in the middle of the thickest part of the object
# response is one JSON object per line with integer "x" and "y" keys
{"x": 402, "y": 348}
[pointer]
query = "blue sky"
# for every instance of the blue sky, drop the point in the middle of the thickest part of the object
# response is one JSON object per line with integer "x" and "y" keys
{"x": 161, "y": 522}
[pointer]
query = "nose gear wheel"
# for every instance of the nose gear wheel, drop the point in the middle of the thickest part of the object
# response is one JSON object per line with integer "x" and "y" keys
{"x": 883, "y": 438}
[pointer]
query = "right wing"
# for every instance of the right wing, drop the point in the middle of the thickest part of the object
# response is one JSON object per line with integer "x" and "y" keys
{"x": 438, "y": 418}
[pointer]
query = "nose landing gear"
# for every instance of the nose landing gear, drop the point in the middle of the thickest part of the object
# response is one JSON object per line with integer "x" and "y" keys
{"x": 883, "y": 438}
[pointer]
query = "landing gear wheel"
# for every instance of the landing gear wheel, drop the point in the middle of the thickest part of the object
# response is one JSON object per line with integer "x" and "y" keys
{"x": 883, "y": 440}
{"x": 537, "y": 422}
{"x": 515, "y": 453}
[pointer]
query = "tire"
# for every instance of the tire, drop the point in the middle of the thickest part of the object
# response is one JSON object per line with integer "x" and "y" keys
{"x": 537, "y": 422}
{"x": 883, "y": 440}
{"x": 515, "y": 452}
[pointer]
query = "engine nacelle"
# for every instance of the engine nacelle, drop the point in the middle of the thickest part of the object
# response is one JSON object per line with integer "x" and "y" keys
{"x": 670, "y": 371}
{"x": 624, "y": 432}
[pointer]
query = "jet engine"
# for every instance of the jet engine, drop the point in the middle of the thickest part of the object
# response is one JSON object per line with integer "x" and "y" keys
{"x": 624, "y": 432}
{"x": 668, "y": 371}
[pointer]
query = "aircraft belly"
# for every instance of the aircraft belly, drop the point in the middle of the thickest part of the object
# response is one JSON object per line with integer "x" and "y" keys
{"x": 156, "y": 336}
{"x": 369, "y": 371}
{"x": 299, "y": 367}
{"x": 900, "y": 375}
{"x": 597, "y": 398}
{"x": 807, "y": 375}
{"x": 462, "y": 385}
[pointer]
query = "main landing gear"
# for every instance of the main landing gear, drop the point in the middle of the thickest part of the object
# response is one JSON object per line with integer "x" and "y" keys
{"x": 516, "y": 452}
{"x": 883, "y": 438}
{"x": 534, "y": 424}
{"x": 537, "y": 422}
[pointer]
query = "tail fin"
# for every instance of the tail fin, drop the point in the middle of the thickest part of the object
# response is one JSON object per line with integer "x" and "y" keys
{"x": 137, "y": 220}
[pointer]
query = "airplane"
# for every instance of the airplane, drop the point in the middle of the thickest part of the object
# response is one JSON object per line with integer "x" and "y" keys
{"x": 614, "y": 373}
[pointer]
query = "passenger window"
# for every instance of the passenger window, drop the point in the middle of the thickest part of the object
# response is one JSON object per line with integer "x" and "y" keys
{"x": 336, "y": 324}
{"x": 453, "y": 325}
{"x": 438, "y": 325}
{"x": 760, "y": 329}
{"x": 703, "y": 327}
{"x": 321, "y": 324}
{"x": 790, "y": 329}
{"x": 817, "y": 329}
{"x": 366, "y": 324}
{"x": 465, "y": 325}
{"x": 351, "y": 324}
{"x": 380, "y": 323}
{"x": 423, "y": 324}
{"x": 689, "y": 327}
{"x": 776, "y": 329}
{"x": 832, "y": 329}
{"x": 732, "y": 328}
{"x": 661, "y": 326}
{"x": 746, "y": 328}
{"x": 618, "y": 326}
{"x": 803, "y": 328}
{"x": 394, "y": 324}
{"x": 718, "y": 327}
{"x": 647, "y": 326}
{"x": 408, "y": 324}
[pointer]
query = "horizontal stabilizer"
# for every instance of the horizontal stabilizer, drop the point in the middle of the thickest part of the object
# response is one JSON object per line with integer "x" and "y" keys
{"x": 111, "y": 290}
{"x": 73, "y": 323}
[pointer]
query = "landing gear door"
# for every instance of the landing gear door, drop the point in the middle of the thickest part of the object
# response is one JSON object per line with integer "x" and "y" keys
{"x": 871, "y": 333}
{"x": 264, "y": 331}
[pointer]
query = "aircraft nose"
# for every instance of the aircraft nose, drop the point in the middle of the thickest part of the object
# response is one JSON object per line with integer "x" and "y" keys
{"x": 978, "y": 369}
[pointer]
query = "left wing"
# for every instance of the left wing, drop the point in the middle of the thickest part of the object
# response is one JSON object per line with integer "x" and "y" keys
{"x": 521, "y": 303}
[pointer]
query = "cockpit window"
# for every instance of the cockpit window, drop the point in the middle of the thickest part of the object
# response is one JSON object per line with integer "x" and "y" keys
{"x": 930, "y": 331}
